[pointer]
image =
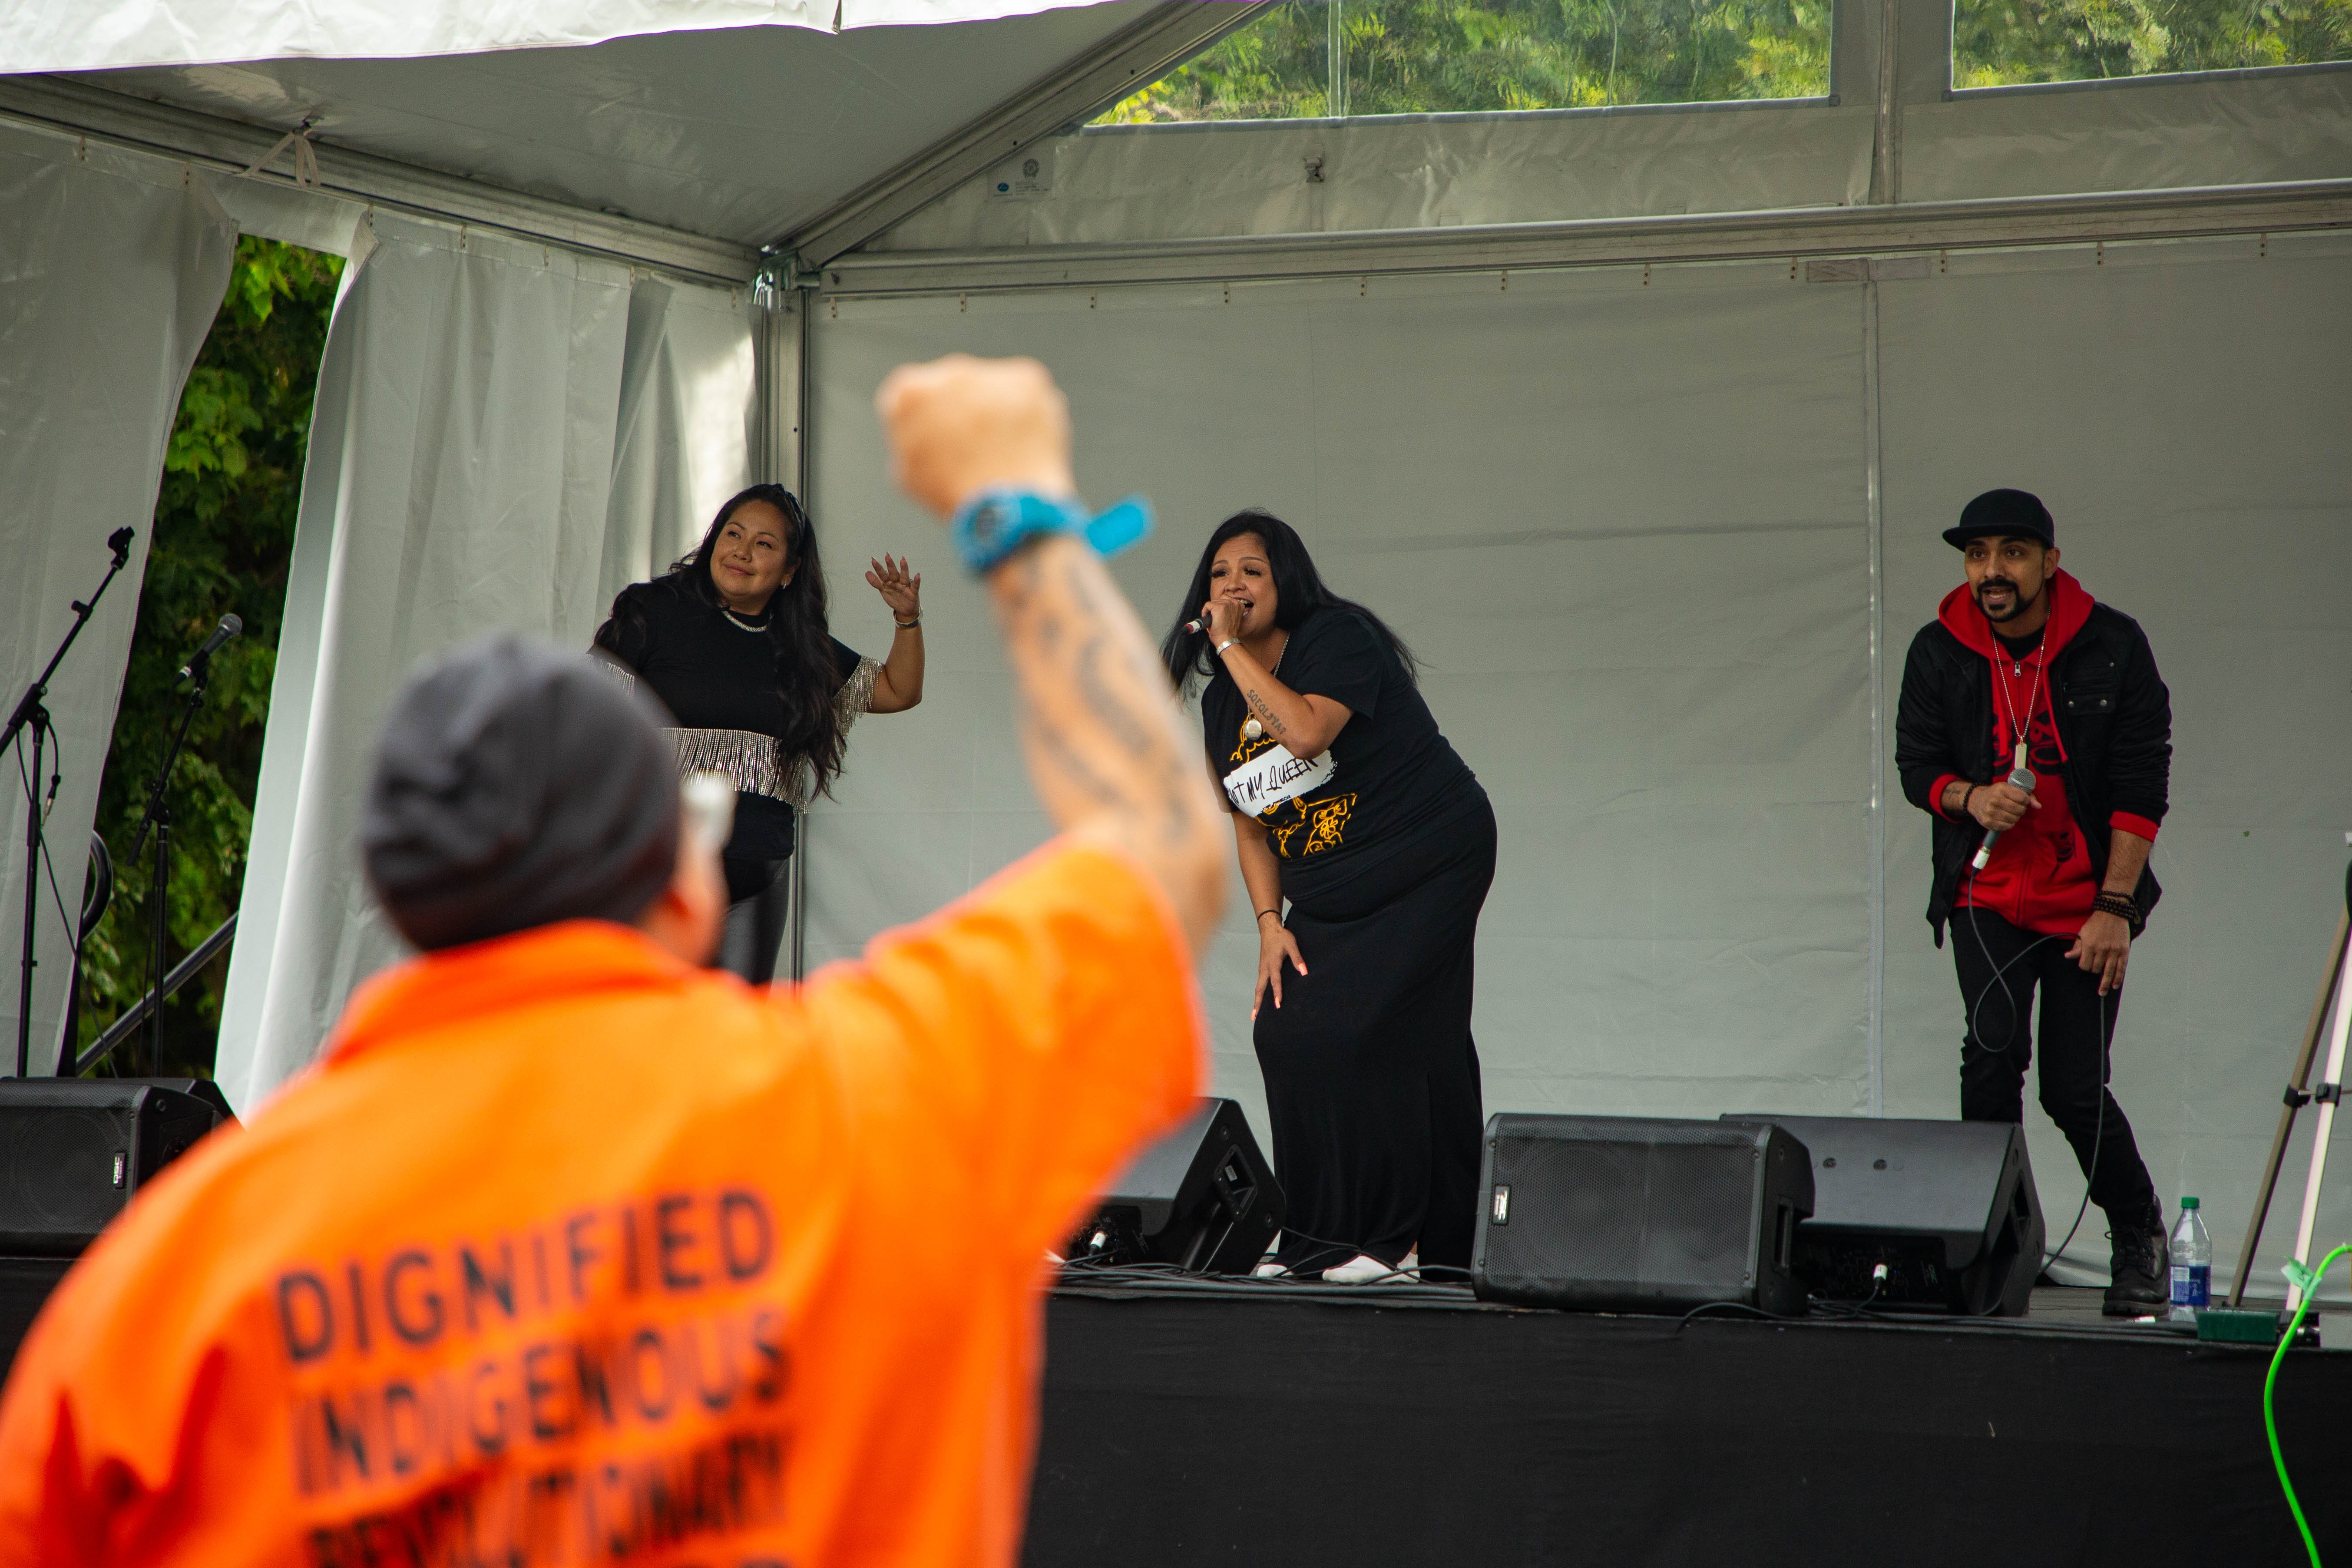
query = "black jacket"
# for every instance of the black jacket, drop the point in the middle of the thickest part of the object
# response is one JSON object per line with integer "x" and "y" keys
{"x": 2115, "y": 721}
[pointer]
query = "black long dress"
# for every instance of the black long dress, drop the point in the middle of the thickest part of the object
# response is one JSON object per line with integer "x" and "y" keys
{"x": 716, "y": 674}
{"x": 1387, "y": 848}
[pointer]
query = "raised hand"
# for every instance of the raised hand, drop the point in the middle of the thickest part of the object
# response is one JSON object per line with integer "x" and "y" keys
{"x": 901, "y": 588}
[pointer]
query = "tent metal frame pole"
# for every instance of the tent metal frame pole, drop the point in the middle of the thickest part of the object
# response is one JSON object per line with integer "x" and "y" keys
{"x": 780, "y": 385}
{"x": 218, "y": 146}
{"x": 2006, "y": 222}
{"x": 1163, "y": 39}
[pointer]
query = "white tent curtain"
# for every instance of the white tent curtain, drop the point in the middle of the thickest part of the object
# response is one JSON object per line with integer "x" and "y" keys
{"x": 687, "y": 412}
{"x": 111, "y": 267}
{"x": 1625, "y": 514}
{"x": 101, "y": 35}
{"x": 461, "y": 453}
{"x": 504, "y": 434}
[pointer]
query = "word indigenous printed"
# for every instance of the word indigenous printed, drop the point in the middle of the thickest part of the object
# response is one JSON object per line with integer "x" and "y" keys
{"x": 542, "y": 1428}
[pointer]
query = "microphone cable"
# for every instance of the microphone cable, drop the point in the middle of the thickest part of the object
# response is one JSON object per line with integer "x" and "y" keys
{"x": 2098, "y": 1127}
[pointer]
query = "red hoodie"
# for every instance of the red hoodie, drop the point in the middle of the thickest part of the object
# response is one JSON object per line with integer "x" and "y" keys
{"x": 2038, "y": 877}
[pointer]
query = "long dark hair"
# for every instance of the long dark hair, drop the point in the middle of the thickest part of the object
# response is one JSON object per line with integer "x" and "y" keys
{"x": 1298, "y": 593}
{"x": 799, "y": 638}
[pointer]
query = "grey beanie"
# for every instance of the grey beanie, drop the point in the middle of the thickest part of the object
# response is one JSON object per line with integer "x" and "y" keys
{"x": 515, "y": 786}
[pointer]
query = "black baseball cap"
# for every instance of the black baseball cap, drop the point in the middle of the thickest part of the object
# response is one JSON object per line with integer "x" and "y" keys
{"x": 2019, "y": 514}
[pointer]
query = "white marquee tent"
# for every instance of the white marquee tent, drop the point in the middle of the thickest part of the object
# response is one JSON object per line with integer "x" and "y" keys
{"x": 1641, "y": 424}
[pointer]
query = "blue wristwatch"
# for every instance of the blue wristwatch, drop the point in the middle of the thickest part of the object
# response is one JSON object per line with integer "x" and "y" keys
{"x": 994, "y": 524}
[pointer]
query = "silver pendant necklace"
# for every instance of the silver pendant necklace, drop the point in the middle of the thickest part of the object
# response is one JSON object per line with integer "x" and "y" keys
{"x": 758, "y": 626}
{"x": 1251, "y": 729}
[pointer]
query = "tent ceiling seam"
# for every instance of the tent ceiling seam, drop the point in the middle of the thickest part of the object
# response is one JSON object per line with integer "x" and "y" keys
{"x": 216, "y": 144}
{"x": 2002, "y": 224}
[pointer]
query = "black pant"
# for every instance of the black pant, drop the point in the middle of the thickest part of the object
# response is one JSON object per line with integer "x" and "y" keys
{"x": 2078, "y": 1027}
{"x": 1371, "y": 1075}
{"x": 759, "y": 897}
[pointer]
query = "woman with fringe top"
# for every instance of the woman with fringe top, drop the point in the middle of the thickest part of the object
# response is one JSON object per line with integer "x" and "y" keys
{"x": 733, "y": 640}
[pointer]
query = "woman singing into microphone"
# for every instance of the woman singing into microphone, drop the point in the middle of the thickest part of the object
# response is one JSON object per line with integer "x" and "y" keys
{"x": 1349, "y": 804}
{"x": 733, "y": 640}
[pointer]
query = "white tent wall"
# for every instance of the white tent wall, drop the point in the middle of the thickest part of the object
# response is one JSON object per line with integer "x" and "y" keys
{"x": 1626, "y": 517}
{"x": 1235, "y": 177}
{"x": 1624, "y": 522}
{"x": 111, "y": 267}
{"x": 459, "y": 480}
{"x": 685, "y": 426}
{"x": 2182, "y": 409}
{"x": 1146, "y": 182}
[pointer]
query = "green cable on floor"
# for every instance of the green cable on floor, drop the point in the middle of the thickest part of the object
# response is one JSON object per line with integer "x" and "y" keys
{"x": 2306, "y": 1281}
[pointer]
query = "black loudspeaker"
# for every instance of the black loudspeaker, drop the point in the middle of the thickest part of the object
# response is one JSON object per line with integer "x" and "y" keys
{"x": 1201, "y": 1198}
{"x": 73, "y": 1150}
{"x": 1627, "y": 1214}
{"x": 1948, "y": 1207}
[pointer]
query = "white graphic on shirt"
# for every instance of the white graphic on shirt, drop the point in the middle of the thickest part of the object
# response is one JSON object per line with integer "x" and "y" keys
{"x": 1274, "y": 776}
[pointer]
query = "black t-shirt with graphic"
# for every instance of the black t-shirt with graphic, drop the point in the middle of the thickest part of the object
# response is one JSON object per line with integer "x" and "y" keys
{"x": 1387, "y": 774}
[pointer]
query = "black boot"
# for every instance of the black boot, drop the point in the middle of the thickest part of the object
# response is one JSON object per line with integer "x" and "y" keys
{"x": 2140, "y": 1265}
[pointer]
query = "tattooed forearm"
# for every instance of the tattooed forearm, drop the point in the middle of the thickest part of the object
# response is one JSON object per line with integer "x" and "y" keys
{"x": 1105, "y": 737}
{"x": 1118, "y": 715}
{"x": 1266, "y": 713}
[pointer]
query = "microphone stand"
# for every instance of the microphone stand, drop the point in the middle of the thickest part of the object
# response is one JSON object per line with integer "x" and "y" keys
{"x": 30, "y": 714}
{"x": 158, "y": 816}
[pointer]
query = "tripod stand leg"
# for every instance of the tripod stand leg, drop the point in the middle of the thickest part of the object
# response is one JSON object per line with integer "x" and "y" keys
{"x": 2296, "y": 1084}
{"x": 2330, "y": 1079}
{"x": 39, "y": 724}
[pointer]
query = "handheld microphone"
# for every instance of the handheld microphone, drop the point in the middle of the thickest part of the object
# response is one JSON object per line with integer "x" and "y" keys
{"x": 2021, "y": 779}
{"x": 1196, "y": 626}
{"x": 229, "y": 626}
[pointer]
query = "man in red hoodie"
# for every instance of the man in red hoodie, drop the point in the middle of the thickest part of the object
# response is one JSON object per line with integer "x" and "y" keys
{"x": 2035, "y": 728}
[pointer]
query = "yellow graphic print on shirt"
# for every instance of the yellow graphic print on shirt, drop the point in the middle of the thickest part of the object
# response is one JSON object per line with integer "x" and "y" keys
{"x": 1297, "y": 828}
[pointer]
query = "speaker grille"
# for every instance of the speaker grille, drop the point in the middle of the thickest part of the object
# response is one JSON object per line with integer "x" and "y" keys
{"x": 61, "y": 1165}
{"x": 1622, "y": 1211}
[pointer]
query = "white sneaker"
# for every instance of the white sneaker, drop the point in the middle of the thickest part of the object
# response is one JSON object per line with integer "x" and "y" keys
{"x": 1360, "y": 1269}
{"x": 1269, "y": 1269}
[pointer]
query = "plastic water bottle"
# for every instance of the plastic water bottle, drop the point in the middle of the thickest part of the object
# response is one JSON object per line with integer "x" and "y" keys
{"x": 2193, "y": 1265}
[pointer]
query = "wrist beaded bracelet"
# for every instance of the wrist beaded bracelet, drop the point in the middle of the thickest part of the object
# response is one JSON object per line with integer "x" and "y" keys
{"x": 2123, "y": 906}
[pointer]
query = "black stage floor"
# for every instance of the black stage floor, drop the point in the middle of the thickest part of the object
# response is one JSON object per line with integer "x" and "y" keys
{"x": 1257, "y": 1423}
{"x": 1263, "y": 1422}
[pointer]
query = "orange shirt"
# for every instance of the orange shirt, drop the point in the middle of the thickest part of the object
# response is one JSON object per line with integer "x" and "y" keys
{"x": 568, "y": 1253}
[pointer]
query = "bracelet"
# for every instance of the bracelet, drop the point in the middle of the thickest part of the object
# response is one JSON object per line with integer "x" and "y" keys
{"x": 1966, "y": 795}
{"x": 1275, "y": 913}
{"x": 994, "y": 524}
{"x": 1229, "y": 642}
{"x": 906, "y": 625}
{"x": 2123, "y": 906}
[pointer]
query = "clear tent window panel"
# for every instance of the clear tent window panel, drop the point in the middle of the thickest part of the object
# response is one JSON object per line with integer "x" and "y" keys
{"x": 2003, "y": 43}
{"x": 1328, "y": 57}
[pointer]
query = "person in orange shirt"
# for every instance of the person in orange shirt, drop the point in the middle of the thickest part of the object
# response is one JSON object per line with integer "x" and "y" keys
{"x": 570, "y": 1251}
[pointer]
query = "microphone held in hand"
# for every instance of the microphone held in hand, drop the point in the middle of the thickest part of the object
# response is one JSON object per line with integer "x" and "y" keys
{"x": 2021, "y": 779}
{"x": 1196, "y": 626}
{"x": 229, "y": 626}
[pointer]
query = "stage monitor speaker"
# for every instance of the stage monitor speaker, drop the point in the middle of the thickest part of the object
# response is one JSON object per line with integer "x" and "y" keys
{"x": 1201, "y": 1198}
{"x": 1948, "y": 1207}
{"x": 1628, "y": 1214}
{"x": 73, "y": 1150}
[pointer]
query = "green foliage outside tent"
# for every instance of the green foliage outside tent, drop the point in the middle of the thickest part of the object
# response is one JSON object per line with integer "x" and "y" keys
{"x": 1423, "y": 56}
{"x": 1419, "y": 56}
{"x": 224, "y": 532}
{"x": 1998, "y": 42}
